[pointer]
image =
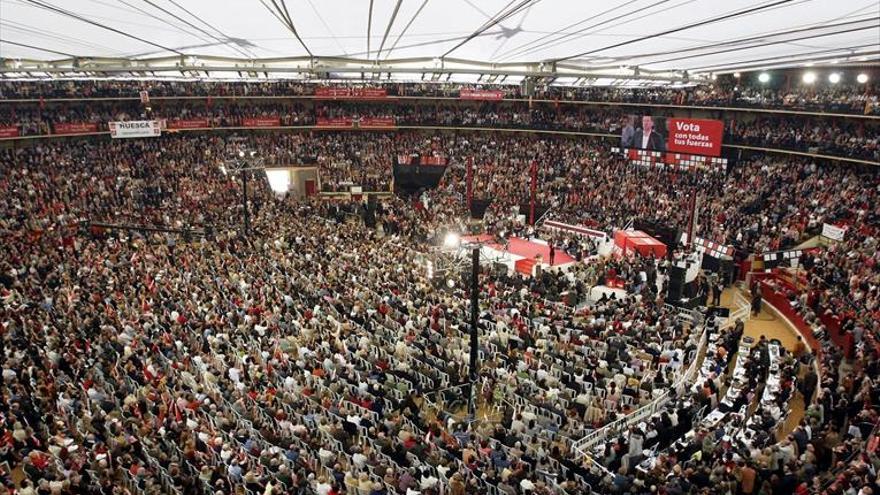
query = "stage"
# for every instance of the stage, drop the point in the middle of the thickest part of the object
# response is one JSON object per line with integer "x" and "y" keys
{"x": 519, "y": 254}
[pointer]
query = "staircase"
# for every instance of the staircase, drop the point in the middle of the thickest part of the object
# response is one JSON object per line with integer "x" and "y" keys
{"x": 526, "y": 266}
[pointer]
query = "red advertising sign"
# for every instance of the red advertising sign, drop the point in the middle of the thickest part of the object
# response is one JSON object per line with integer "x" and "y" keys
{"x": 8, "y": 132}
{"x": 325, "y": 92}
{"x": 378, "y": 123}
{"x": 188, "y": 124}
{"x": 481, "y": 94}
{"x": 696, "y": 136}
{"x": 262, "y": 122}
{"x": 75, "y": 127}
{"x": 334, "y": 123}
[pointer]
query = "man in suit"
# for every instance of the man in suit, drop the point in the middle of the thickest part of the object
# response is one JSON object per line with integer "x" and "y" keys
{"x": 646, "y": 138}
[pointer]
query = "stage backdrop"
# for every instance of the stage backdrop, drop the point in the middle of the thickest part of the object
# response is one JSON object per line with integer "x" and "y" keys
{"x": 677, "y": 135}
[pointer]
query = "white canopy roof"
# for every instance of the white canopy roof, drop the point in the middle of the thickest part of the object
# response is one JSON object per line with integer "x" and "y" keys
{"x": 700, "y": 36}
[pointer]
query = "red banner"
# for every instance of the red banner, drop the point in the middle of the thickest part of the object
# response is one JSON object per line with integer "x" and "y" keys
{"x": 481, "y": 94}
{"x": 378, "y": 123}
{"x": 262, "y": 122}
{"x": 75, "y": 127}
{"x": 432, "y": 160}
{"x": 325, "y": 92}
{"x": 697, "y": 136}
{"x": 334, "y": 123}
{"x": 8, "y": 132}
{"x": 188, "y": 124}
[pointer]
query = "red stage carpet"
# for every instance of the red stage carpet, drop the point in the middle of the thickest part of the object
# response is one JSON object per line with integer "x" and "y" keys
{"x": 527, "y": 249}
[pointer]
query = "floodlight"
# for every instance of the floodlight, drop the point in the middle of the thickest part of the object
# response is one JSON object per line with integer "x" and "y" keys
{"x": 451, "y": 240}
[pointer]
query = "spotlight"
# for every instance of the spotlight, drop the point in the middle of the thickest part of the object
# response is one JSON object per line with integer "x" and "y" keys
{"x": 764, "y": 77}
{"x": 862, "y": 78}
{"x": 809, "y": 77}
{"x": 736, "y": 75}
{"x": 451, "y": 240}
{"x": 834, "y": 78}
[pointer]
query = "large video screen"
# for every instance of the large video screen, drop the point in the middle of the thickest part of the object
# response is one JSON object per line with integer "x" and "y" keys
{"x": 693, "y": 136}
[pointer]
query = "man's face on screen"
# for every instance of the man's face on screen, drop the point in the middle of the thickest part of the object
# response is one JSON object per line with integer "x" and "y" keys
{"x": 647, "y": 124}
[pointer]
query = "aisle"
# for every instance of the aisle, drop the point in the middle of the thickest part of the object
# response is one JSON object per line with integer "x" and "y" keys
{"x": 772, "y": 327}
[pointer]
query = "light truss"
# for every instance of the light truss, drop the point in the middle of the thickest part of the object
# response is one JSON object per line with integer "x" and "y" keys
{"x": 329, "y": 68}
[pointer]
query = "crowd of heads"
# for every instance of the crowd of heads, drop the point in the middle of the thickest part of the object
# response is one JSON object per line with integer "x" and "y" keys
{"x": 841, "y": 98}
{"x": 826, "y": 136}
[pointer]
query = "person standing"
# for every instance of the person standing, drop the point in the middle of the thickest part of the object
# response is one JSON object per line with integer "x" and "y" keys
{"x": 756, "y": 301}
{"x": 552, "y": 254}
{"x": 717, "y": 289}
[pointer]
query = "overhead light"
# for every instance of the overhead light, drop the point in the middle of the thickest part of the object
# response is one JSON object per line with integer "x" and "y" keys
{"x": 764, "y": 77}
{"x": 862, "y": 78}
{"x": 809, "y": 77}
{"x": 808, "y": 64}
{"x": 714, "y": 77}
{"x": 834, "y": 78}
{"x": 451, "y": 240}
{"x": 736, "y": 75}
{"x": 835, "y": 61}
{"x": 863, "y": 59}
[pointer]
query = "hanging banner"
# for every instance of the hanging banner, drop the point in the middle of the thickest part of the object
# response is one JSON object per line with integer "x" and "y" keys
{"x": 377, "y": 123}
{"x": 9, "y": 132}
{"x": 481, "y": 94}
{"x": 326, "y": 93}
{"x": 75, "y": 128}
{"x": 135, "y": 129}
{"x": 261, "y": 122}
{"x": 188, "y": 124}
{"x": 334, "y": 123}
{"x": 833, "y": 232}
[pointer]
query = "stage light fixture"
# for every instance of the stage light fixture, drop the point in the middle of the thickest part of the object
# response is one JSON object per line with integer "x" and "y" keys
{"x": 809, "y": 77}
{"x": 834, "y": 78}
{"x": 451, "y": 240}
{"x": 764, "y": 77}
{"x": 862, "y": 78}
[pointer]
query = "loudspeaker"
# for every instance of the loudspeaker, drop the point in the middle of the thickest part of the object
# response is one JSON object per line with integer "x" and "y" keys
{"x": 676, "y": 284}
{"x": 370, "y": 212}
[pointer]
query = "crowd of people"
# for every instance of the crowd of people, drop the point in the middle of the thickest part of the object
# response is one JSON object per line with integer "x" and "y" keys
{"x": 834, "y": 137}
{"x": 313, "y": 354}
{"x": 841, "y": 98}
